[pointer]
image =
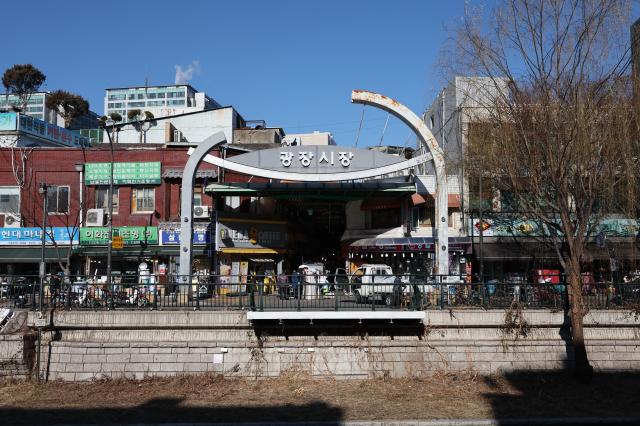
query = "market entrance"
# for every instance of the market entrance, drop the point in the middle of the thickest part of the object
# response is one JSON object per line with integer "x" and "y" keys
{"x": 299, "y": 223}
{"x": 325, "y": 164}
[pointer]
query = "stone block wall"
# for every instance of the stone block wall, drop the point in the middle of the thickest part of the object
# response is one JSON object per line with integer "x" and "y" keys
{"x": 164, "y": 344}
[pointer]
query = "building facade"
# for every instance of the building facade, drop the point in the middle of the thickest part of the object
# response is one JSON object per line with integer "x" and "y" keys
{"x": 162, "y": 101}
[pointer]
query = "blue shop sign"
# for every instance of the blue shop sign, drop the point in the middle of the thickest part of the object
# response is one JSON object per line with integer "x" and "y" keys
{"x": 33, "y": 236}
{"x": 169, "y": 237}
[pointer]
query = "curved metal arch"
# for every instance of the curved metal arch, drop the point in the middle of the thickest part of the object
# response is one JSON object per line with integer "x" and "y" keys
{"x": 186, "y": 203}
{"x": 426, "y": 137}
{"x": 315, "y": 177}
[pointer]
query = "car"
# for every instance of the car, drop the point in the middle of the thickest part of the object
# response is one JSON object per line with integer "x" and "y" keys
{"x": 377, "y": 282}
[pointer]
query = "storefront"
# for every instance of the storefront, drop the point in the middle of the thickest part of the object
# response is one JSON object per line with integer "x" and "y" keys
{"x": 251, "y": 246}
{"x": 21, "y": 249}
{"x": 414, "y": 255}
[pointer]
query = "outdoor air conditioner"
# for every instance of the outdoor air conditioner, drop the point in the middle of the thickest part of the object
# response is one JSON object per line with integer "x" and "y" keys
{"x": 201, "y": 212}
{"x": 11, "y": 221}
{"x": 95, "y": 217}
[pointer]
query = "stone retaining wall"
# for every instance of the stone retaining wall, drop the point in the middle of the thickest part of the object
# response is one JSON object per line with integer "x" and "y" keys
{"x": 138, "y": 344}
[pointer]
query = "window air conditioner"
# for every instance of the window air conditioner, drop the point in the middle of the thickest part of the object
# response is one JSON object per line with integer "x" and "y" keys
{"x": 11, "y": 221}
{"x": 201, "y": 212}
{"x": 95, "y": 217}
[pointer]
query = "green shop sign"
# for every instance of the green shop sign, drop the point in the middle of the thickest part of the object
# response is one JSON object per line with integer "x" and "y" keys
{"x": 123, "y": 173}
{"x": 131, "y": 235}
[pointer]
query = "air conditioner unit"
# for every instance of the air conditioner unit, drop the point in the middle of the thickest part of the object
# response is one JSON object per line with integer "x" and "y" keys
{"x": 11, "y": 221}
{"x": 95, "y": 217}
{"x": 201, "y": 212}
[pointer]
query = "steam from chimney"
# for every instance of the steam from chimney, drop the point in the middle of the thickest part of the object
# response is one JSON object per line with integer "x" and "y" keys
{"x": 184, "y": 75}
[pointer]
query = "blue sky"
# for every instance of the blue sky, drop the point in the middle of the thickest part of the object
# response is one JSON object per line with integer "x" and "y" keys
{"x": 291, "y": 63}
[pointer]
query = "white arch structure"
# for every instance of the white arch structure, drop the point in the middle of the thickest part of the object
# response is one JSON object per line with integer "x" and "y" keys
{"x": 418, "y": 126}
{"x": 200, "y": 154}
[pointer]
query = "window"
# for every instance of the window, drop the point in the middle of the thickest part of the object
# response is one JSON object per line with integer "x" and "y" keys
{"x": 176, "y": 102}
{"x": 58, "y": 199}
{"x": 143, "y": 200}
{"x": 102, "y": 199}
{"x": 135, "y": 105}
{"x": 155, "y": 103}
{"x": 197, "y": 196}
{"x": 385, "y": 218}
{"x": 117, "y": 97}
{"x": 151, "y": 95}
{"x": 116, "y": 105}
{"x": 9, "y": 199}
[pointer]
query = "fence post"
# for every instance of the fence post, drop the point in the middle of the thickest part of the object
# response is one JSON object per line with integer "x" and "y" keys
{"x": 441, "y": 292}
{"x": 261, "y": 295}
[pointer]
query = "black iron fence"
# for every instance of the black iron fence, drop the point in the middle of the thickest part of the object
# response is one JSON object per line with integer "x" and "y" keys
{"x": 302, "y": 292}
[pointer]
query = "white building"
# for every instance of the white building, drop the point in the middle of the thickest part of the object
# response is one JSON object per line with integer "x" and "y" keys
{"x": 315, "y": 138}
{"x": 189, "y": 128}
{"x": 37, "y": 108}
{"x": 161, "y": 101}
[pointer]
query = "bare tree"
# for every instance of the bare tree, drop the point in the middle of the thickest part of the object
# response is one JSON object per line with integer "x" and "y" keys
{"x": 558, "y": 131}
{"x": 68, "y": 105}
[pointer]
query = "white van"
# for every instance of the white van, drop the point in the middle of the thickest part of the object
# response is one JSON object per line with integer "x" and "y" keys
{"x": 378, "y": 283}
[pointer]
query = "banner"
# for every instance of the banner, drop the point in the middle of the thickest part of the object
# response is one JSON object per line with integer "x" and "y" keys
{"x": 123, "y": 173}
{"x": 131, "y": 235}
{"x": 33, "y": 236}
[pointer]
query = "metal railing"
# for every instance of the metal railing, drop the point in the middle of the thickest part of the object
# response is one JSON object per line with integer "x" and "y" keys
{"x": 311, "y": 292}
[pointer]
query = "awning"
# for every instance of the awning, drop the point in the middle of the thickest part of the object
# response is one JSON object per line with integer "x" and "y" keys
{"x": 380, "y": 203}
{"x": 261, "y": 260}
{"x": 406, "y": 244}
{"x": 31, "y": 254}
{"x": 240, "y": 250}
{"x": 513, "y": 251}
{"x": 428, "y": 200}
{"x": 200, "y": 174}
{"x": 172, "y": 250}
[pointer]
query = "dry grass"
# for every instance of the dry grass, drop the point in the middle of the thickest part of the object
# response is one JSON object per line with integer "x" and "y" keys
{"x": 297, "y": 397}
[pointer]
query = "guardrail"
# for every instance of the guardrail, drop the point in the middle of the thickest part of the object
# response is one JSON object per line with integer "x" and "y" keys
{"x": 312, "y": 292}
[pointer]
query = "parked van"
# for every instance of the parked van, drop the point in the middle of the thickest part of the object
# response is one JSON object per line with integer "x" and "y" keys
{"x": 376, "y": 282}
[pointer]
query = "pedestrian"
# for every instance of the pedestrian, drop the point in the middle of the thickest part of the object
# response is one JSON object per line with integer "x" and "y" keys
{"x": 251, "y": 288}
{"x": 295, "y": 284}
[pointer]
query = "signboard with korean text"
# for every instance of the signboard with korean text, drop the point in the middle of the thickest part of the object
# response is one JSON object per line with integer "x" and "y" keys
{"x": 117, "y": 242}
{"x": 169, "y": 237}
{"x": 33, "y": 236}
{"x": 42, "y": 129}
{"x": 123, "y": 173}
{"x": 316, "y": 159}
{"x": 131, "y": 235}
{"x": 513, "y": 227}
{"x": 238, "y": 233}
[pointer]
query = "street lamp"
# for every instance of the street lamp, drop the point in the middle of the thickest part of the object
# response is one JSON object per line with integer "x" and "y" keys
{"x": 109, "y": 122}
{"x": 43, "y": 190}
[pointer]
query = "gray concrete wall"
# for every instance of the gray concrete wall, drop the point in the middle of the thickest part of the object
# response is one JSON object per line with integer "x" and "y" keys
{"x": 16, "y": 356}
{"x": 90, "y": 345}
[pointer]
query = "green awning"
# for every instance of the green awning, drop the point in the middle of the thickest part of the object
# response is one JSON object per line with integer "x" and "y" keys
{"x": 31, "y": 254}
{"x": 324, "y": 190}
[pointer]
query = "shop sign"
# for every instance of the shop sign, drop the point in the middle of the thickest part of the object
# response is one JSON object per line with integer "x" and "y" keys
{"x": 33, "y": 236}
{"x": 8, "y": 121}
{"x": 172, "y": 236}
{"x": 250, "y": 234}
{"x": 513, "y": 227}
{"x": 123, "y": 173}
{"x": 316, "y": 159}
{"x": 131, "y": 235}
{"x": 51, "y": 132}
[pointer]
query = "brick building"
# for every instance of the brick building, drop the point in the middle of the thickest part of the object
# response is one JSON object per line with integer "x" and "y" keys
{"x": 146, "y": 207}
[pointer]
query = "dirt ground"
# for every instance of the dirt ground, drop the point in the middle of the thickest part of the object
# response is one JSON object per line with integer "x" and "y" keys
{"x": 297, "y": 398}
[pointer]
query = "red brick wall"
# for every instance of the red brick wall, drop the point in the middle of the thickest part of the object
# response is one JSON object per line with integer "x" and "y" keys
{"x": 56, "y": 166}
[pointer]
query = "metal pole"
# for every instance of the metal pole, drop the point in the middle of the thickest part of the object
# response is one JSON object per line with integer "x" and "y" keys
{"x": 110, "y": 232}
{"x": 43, "y": 266}
{"x": 481, "y": 228}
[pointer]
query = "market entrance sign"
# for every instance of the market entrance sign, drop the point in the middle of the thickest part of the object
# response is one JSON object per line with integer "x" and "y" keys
{"x": 131, "y": 235}
{"x": 123, "y": 173}
{"x": 316, "y": 163}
